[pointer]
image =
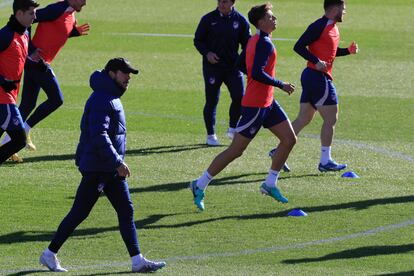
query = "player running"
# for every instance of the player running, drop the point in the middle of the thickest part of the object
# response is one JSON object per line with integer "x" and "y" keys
{"x": 258, "y": 109}
{"x": 57, "y": 23}
{"x": 319, "y": 46}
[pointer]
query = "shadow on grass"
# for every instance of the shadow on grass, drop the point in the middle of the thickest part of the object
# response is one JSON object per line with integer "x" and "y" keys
{"x": 230, "y": 180}
{"x": 147, "y": 223}
{"x": 144, "y": 151}
{"x": 405, "y": 273}
{"x": 108, "y": 273}
{"x": 361, "y": 252}
{"x": 42, "y": 236}
{"x": 177, "y": 186}
{"x": 26, "y": 272}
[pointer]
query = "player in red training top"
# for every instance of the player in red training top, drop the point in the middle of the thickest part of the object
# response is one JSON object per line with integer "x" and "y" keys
{"x": 14, "y": 44}
{"x": 258, "y": 109}
{"x": 56, "y": 23}
{"x": 319, "y": 46}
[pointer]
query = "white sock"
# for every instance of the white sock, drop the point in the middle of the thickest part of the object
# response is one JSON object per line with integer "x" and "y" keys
{"x": 137, "y": 259}
{"x": 26, "y": 127}
{"x": 271, "y": 179}
{"x": 204, "y": 180}
{"x": 325, "y": 155}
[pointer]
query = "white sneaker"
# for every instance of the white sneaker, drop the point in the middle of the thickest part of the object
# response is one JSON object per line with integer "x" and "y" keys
{"x": 51, "y": 262}
{"x": 230, "y": 133}
{"x": 147, "y": 266}
{"x": 212, "y": 140}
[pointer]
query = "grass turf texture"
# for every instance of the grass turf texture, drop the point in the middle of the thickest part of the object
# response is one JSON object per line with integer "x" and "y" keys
{"x": 240, "y": 232}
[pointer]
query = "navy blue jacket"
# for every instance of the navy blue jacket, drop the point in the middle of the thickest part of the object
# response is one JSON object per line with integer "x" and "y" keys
{"x": 222, "y": 35}
{"x": 102, "y": 140}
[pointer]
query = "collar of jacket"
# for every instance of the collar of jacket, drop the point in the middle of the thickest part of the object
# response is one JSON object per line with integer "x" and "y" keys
{"x": 15, "y": 25}
{"x": 100, "y": 81}
{"x": 233, "y": 10}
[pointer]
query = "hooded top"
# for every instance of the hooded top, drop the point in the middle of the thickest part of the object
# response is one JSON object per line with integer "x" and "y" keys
{"x": 102, "y": 140}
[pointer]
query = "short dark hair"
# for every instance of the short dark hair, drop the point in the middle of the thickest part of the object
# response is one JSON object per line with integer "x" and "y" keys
{"x": 258, "y": 12}
{"x": 329, "y": 3}
{"x": 24, "y": 5}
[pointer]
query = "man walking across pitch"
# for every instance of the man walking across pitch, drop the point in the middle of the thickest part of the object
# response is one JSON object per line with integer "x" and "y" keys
{"x": 14, "y": 44}
{"x": 319, "y": 46}
{"x": 56, "y": 23}
{"x": 100, "y": 158}
{"x": 258, "y": 109}
{"x": 217, "y": 38}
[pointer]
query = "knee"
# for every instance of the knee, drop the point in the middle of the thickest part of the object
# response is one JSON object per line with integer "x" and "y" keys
{"x": 331, "y": 121}
{"x": 27, "y": 105}
{"x": 304, "y": 120}
{"x": 236, "y": 152}
{"x": 289, "y": 141}
{"x": 127, "y": 213}
{"x": 56, "y": 103}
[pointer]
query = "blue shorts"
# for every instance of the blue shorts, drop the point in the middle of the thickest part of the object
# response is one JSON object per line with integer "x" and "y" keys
{"x": 253, "y": 118}
{"x": 318, "y": 89}
{"x": 10, "y": 119}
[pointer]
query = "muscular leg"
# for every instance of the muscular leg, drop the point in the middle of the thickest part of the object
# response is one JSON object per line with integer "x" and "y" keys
{"x": 235, "y": 150}
{"x": 305, "y": 116}
{"x": 329, "y": 114}
{"x": 284, "y": 132}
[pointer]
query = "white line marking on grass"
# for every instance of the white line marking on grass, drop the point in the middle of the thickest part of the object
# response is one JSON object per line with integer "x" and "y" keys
{"x": 181, "y": 36}
{"x": 366, "y": 233}
{"x": 384, "y": 151}
{"x": 387, "y": 152}
{"x": 376, "y": 149}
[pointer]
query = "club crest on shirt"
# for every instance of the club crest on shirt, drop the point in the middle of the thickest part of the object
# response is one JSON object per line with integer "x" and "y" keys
{"x": 252, "y": 130}
{"x": 212, "y": 80}
{"x": 235, "y": 24}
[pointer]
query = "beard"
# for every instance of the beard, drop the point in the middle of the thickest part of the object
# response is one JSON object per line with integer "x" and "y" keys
{"x": 339, "y": 17}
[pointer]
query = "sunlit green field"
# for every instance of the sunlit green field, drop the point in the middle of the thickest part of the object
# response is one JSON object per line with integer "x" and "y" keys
{"x": 359, "y": 226}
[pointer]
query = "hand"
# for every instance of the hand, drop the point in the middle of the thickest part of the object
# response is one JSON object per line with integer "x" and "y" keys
{"x": 9, "y": 85}
{"x": 353, "y": 48}
{"x": 212, "y": 58}
{"x": 321, "y": 66}
{"x": 288, "y": 87}
{"x": 123, "y": 170}
{"x": 83, "y": 29}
